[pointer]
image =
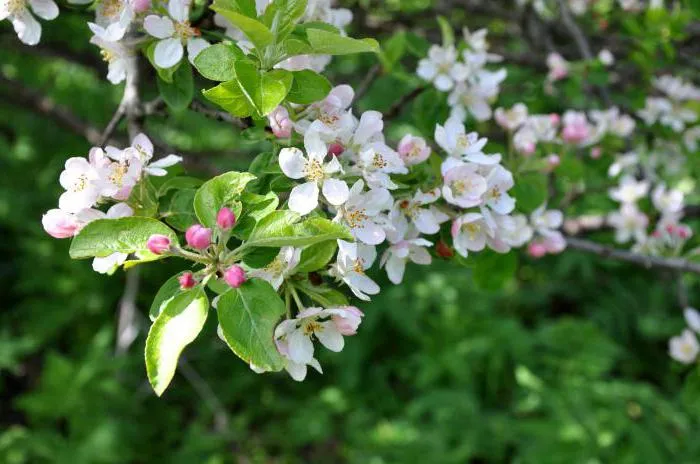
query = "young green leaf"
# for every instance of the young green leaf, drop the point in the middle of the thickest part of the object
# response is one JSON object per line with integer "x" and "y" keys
{"x": 178, "y": 94}
{"x": 316, "y": 257}
{"x": 179, "y": 213}
{"x": 255, "y": 207}
{"x": 216, "y": 62}
{"x": 263, "y": 90}
{"x": 308, "y": 87}
{"x": 448, "y": 36}
{"x": 256, "y": 31}
{"x": 218, "y": 192}
{"x": 178, "y": 324}
{"x": 124, "y": 235}
{"x": 248, "y": 316}
{"x": 230, "y": 97}
{"x": 167, "y": 291}
{"x": 530, "y": 191}
{"x": 282, "y": 16}
{"x": 282, "y": 228}
{"x": 329, "y": 43}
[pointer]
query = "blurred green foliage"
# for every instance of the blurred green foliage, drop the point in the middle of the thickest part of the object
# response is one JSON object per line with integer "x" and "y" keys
{"x": 566, "y": 363}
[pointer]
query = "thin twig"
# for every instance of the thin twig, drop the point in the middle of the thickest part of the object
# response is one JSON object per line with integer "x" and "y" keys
{"x": 367, "y": 82}
{"x": 396, "y": 108}
{"x": 211, "y": 113}
{"x": 677, "y": 264}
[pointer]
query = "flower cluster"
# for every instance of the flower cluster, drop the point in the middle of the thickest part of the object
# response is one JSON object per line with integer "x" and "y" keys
{"x": 104, "y": 177}
{"x": 472, "y": 87}
{"x": 685, "y": 347}
{"x": 672, "y": 109}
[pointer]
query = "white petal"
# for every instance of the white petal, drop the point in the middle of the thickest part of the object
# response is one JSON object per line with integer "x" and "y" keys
{"x": 297, "y": 371}
{"x": 292, "y": 162}
{"x": 395, "y": 268}
{"x": 425, "y": 222}
{"x": 179, "y": 10}
{"x": 160, "y": 27}
{"x": 335, "y": 191}
{"x": 195, "y": 47}
{"x": 330, "y": 337}
{"x": 363, "y": 283}
{"x": 370, "y": 233}
{"x": 168, "y": 53}
{"x": 166, "y": 162}
{"x": 304, "y": 198}
{"x": 301, "y": 349}
{"x": 45, "y": 9}
{"x": 27, "y": 27}
{"x": 314, "y": 146}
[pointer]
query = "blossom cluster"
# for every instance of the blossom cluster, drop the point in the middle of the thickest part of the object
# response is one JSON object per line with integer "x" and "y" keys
{"x": 684, "y": 348}
{"x": 472, "y": 87}
{"x": 103, "y": 177}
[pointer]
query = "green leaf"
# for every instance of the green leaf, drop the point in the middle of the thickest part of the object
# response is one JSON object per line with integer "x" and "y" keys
{"x": 393, "y": 50}
{"x": 282, "y": 16}
{"x": 216, "y": 62}
{"x": 255, "y": 207}
{"x": 316, "y": 257}
{"x": 448, "y": 36}
{"x": 167, "y": 291}
{"x": 256, "y": 31}
{"x": 325, "y": 296}
{"x": 260, "y": 257}
{"x": 180, "y": 212}
{"x": 143, "y": 199}
{"x": 246, "y": 7}
{"x": 282, "y": 228}
{"x": 248, "y": 316}
{"x": 178, "y": 94}
{"x": 329, "y": 43}
{"x": 124, "y": 235}
{"x": 530, "y": 191}
{"x": 308, "y": 87}
{"x": 180, "y": 182}
{"x": 263, "y": 90}
{"x": 218, "y": 192}
{"x": 230, "y": 97}
{"x": 178, "y": 324}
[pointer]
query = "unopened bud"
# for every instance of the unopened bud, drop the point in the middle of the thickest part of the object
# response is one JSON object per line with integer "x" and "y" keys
{"x": 536, "y": 249}
{"x": 443, "y": 250}
{"x": 335, "y": 149}
{"x": 158, "y": 244}
{"x": 186, "y": 280}
{"x": 198, "y": 237}
{"x": 553, "y": 161}
{"x": 225, "y": 219}
{"x": 140, "y": 6}
{"x": 596, "y": 152}
{"x": 235, "y": 276}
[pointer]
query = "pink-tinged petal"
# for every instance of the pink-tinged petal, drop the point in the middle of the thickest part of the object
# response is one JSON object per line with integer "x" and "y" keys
{"x": 304, "y": 198}
{"x": 481, "y": 158}
{"x": 59, "y": 224}
{"x": 335, "y": 191}
{"x": 144, "y": 146}
{"x": 168, "y": 53}
{"x": 45, "y": 9}
{"x": 27, "y": 27}
{"x": 292, "y": 162}
{"x": 159, "y": 27}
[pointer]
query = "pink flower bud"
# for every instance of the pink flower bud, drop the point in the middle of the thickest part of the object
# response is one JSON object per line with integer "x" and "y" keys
{"x": 413, "y": 150}
{"x": 443, "y": 250}
{"x": 235, "y": 276}
{"x": 536, "y": 249}
{"x": 186, "y": 280}
{"x": 198, "y": 237}
{"x": 225, "y": 219}
{"x": 656, "y": 234}
{"x": 335, "y": 149}
{"x": 348, "y": 320}
{"x": 555, "y": 118}
{"x": 683, "y": 232}
{"x": 140, "y": 6}
{"x": 280, "y": 123}
{"x": 59, "y": 224}
{"x": 596, "y": 152}
{"x": 527, "y": 148}
{"x": 553, "y": 161}
{"x": 158, "y": 244}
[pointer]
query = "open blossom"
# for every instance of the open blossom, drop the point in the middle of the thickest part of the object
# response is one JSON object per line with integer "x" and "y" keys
{"x": 352, "y": 261}
{"x": 80, "y": 178}
{"x": 628, "y": 223}
{"x": 513, "y": 118}
{"x": 376, "y": 161}
{"x": 413, "y": 150}
{"x": 425, "y": 218}
{"x": 684, "y": 348}
{"x": 558, "y": 67}
{"x": 514, "y": 231}
{"x": 667, "y": 201}
{"x": 692, "y": 318}
{"x": 280, "y": 268}
{"x": 361, "y": 213}
{"x": 112, "y": 19}
{"x": 630, "y": 190}
{"x": 441, "y": 68}
{"x": 119, "y": 58}
{"x": 18, "y": 12}
{"x": 143, "y": 147}
{"x": 120, "y": 174}
{"x": 464, "y": 185}
{"x": 366, "y": 131}
{"x": 453, "y": 138}
{"x": 304, "y": 198}
{"x": 546, "y": 224}
{"x": 398, "y": 254}
{"x": 496, "y": 197}
{"x": 330, "y": 117}
{"x": 471, "y": 232}
{"x": 174, "y": 31}
{"x": 576, "y": 128}
{"x": 474, "y": 97}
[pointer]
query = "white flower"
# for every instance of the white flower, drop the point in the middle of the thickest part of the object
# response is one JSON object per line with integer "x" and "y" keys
{"x": 119, "y": 176}
{"x": 426, "y": 219}
{"x": 119, "y": 58}
{"x": 361, "y": 213}
{"x": 367, "y": 131}
{"x": 376, "y": 161}
{"x": 144, "y": 152}
{"x": 629, "y": 190}
{"x": 512, "y": 118}
{"x": 544, "y": 220}
{"x": 398, "y": 254}
{"x": 475, "y": 96}
{"x": 352, "y": 261}
{"x": 667, "y": 202}
{"x": 80, "y": 179}
{"x": 108, "y": 264}
{"x": 113, "y": 18}
{"x": 558, "y": 67}
{"x": 691, "y": 137}
{"x": 295, "y": 165}
{"x": 441, "y": 68}
{"x": 329, "y": 117}
{"x": 464, "y": 186}
{"x": 606, "y": 57}
{"x": 692, "y": 318}
{"x": 514, "y": 230}
{"x": 496, "y": 197}
{"x": 413, "y": 150}
{"x": 684, "y": 348}
{"x": 452, "y": 138}
{"x": 26, "y": 26}
{"x": 471, "y": 232}
{"x": 628, "y": 222}
{"x": 174, "y": 32}
{"x": 280, "y": 268}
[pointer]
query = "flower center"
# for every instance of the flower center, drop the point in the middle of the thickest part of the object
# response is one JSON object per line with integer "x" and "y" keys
{"x": 410, "y": 209}
{"x": 117, "y": 175}
{"x": 358, "y": 266}
{"x": 276, "y": 267}
{"x": 472, "y": 229}
{"x": 356, "y": 218}
{"x": 329, "y": 119}
{"x": 313, "y": 170}
{"x": 378, "y": 161}
{"x": 494, "y": 193}
{"x": 415, "y": 151}
{"x": 687, "y": 349}
{"x": 312, "y": 326}
{"x": 463, "y": 141}
{"x": 14, "y": 6}
{"x": 107, "y": 55}
{"x": 80, "y": 183}
{"x": 184, "y": 31}
{"x": 111, "y": 8}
